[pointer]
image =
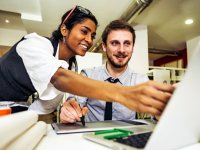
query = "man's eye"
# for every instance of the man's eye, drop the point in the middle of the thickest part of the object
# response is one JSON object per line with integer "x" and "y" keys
{"x": 127, "y": 43}
{"x": 114, "y": 43}
{"x": 93, "y": 37}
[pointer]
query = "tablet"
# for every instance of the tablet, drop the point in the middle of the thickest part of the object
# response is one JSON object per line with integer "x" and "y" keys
{"x": 61, "y": 128}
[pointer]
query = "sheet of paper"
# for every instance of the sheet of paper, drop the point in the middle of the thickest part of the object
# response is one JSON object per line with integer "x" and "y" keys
{"x": 13, "y": 125}
{"x": 30, "y": 138}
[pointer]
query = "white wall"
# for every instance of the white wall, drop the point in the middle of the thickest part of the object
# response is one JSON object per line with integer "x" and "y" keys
{"x": 10, "y": 37}
{"x": 140, "y": 61}
{"x": 161, "y": 75}
{"x": 89, "y": 60}
{"x": 192, "y": 45}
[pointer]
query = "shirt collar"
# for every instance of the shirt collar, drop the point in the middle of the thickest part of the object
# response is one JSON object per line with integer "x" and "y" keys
{"x": 121, "y": 78}
{"x": 57, "y": 52}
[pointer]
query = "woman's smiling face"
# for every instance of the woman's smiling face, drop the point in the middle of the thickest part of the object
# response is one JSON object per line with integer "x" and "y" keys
{"x": 80, "y": 39}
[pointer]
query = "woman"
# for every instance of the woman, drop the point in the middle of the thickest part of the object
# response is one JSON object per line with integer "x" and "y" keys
{"x": 36, "y": 64}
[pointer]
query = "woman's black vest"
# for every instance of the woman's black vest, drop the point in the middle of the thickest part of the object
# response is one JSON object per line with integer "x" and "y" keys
{"x": 15, "y": 83}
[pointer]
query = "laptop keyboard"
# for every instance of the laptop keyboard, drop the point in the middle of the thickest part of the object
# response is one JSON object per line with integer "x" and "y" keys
{"x": 138, "y": 140}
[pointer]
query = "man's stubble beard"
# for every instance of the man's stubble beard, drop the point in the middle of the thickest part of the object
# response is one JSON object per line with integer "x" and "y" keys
{"x": 117, "y": 65}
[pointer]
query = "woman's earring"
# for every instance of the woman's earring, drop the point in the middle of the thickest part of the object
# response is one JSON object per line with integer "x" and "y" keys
{"x": 64, "y": 39}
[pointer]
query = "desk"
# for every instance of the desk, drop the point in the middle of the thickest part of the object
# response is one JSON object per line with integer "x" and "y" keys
{"x": 52, "y": 141}
{"x": 75, "y": 141}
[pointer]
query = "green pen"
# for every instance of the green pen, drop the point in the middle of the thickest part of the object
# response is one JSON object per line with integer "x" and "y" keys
{"x": 114, "y": 133}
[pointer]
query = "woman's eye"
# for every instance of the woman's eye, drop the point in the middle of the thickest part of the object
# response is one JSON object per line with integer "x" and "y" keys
{"x": 84, "y": 32}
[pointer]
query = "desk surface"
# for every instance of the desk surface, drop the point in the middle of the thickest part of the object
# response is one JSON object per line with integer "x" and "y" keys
{"x": 75, "y": 141}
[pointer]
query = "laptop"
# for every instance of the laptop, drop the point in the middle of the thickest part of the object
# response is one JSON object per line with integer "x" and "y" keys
{"x": 179, "y": 125}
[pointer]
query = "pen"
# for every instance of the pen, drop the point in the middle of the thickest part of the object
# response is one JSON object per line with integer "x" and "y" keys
{"x": 83, "y": 117}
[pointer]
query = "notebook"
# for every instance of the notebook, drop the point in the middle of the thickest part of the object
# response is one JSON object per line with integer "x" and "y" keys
{"x": 179, "y": 125}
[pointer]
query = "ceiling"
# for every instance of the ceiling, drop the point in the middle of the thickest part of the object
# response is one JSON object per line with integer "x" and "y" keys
{"x": 164, "y": 19}
{"x": 166, "y": 28}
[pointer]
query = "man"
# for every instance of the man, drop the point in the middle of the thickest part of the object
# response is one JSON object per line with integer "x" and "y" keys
{"x": 118, "y": 41}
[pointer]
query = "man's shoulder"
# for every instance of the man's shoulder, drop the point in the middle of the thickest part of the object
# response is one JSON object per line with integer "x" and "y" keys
{"x": 95, "y": 71}
{"x": 137, "y": 77}
{"x": 134, "y": 73}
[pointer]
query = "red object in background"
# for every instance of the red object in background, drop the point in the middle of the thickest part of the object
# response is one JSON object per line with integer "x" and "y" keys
{"x": 5, "y": 111}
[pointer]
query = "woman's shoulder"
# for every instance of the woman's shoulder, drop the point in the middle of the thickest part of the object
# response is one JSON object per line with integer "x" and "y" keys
{"x": 34, "y": 43}
{"x": 35, "y": 40}
{"x": 37, "y": 37}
